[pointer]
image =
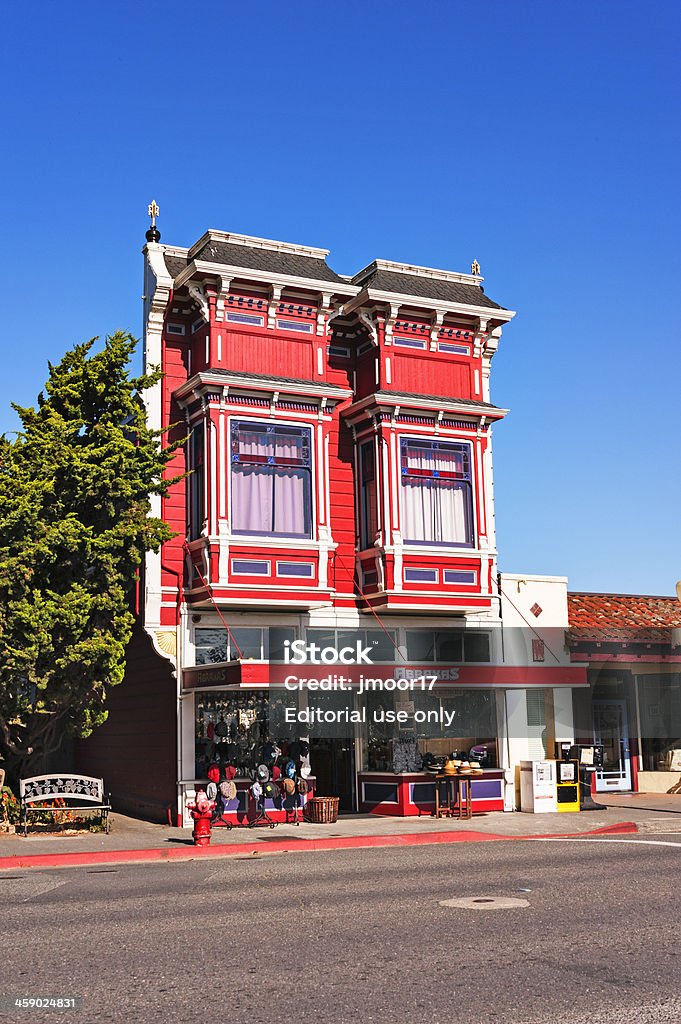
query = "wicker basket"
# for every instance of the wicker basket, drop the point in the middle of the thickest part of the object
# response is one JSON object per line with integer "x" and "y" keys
{"x": 323, "y": 810}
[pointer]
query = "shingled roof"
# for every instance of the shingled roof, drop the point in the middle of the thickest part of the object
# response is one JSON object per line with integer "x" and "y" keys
{"x": 426, "y": 287}
{"x": 174, "y": 264}
{"x": 267, "y": 256}
{"x": 435, "y": 399}
{"x": 622, "y": 617}
{"x": 269, "y": 260}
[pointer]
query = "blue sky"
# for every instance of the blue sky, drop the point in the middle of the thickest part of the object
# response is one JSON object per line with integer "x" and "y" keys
{"x": 540, "y": 138}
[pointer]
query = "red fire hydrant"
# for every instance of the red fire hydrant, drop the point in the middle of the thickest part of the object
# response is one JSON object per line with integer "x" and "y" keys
{"x": 201, "y": 810}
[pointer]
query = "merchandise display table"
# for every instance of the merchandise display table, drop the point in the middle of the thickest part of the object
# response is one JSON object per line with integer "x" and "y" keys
{"x": 456, "y": 791}
{"x": 414, "y": 793}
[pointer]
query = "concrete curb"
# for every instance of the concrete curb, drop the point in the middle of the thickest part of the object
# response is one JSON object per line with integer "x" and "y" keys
{"x": 66, "y": 860}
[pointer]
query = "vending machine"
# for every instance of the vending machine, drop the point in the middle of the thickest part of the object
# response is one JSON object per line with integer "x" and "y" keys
{"x": 538, "y": 786}
{"x": 567, "y": 778}
{"x": 589, "y": 757}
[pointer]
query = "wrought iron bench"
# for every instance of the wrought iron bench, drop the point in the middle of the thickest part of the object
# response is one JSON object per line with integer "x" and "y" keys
{"x": 89, "y": 793}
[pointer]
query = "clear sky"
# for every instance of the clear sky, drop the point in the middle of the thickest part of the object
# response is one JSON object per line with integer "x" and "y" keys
{"x": 540, "y": 138}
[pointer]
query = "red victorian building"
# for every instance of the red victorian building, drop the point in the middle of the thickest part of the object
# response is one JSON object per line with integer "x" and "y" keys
{"x": 339, "y": 488}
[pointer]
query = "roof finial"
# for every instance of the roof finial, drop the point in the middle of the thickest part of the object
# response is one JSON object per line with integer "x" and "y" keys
{"x": 475, "y": 268}
{"x": 153, "y": 234}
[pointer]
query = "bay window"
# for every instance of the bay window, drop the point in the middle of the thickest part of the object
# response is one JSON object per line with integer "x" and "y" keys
{"x": 436, "y": 492}
{"x": 271, "y": 480}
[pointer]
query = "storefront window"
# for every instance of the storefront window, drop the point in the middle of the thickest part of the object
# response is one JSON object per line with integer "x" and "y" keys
{"x": 459, "y": 721}
{"x": 258, "y": 643}
{"x": 233, "y": 728}
{"x": 660, "y": 709}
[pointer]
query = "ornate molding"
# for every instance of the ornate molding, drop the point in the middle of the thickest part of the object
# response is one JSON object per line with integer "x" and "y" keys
{"x": 198, "y": 293}
{"x": 166, "y": 640}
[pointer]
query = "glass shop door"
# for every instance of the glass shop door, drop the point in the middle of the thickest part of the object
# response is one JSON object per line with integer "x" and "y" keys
{"x": 333, "y": 764}
{"x": 610, "y": 729}
{"x": 332, "y": 751}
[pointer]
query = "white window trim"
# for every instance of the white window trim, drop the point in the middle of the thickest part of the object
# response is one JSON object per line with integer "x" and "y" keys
{"x": 232, "y": 314}
{"x": 267, "y": 539}
{"x": 469, "y": 549}
{"x": 421, "y": 568}
{"x": 460, "y": 583}
{"x": 416, "y": 343}
{"x": 302, "y": 326}
{"x": 296, "y": 575}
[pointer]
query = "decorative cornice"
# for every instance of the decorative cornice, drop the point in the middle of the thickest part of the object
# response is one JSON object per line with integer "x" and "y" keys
{"x": 317, "y": 391}
{"x": 204, "y": 268}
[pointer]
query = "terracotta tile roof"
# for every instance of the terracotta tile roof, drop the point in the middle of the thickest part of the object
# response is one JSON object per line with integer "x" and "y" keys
{"x": 623, "y": 617}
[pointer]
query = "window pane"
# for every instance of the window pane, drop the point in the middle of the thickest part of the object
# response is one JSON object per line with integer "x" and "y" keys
{"x": 196, "y": 482}
{"x": 448, "y": 647}
{"x": 435, "y": 511}
{"x": 476, "y": 646}
{"x": 269, "y": 500}
{"x": 321, "y": 637}
{"x": 436, "y": 496}
{"x": 369, "y": 509}
{"x": 275, "y": 638}
{"x": 420, "y": 645}
{"x": 382, "y": 646}
{"x": 211, "y": 646}
{"x": 249, "y": 641}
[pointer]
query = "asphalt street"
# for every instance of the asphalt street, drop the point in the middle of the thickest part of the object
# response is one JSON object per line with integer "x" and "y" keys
{"x": 357, "y": 935}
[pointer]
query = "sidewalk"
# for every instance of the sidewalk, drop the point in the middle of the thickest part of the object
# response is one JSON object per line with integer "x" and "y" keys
{"x": 133, "y": 840}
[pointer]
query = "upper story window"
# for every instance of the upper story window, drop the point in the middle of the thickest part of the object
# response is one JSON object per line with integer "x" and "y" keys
{"x": 368, "y": 505}
{"x": 295, "y": 325}
{"x": 271, "y": 480}
{"x": 196, "y": 482}
{"x": 436, "y": 496}
{"x": 409, "y": 342}
{"x": 252, "y": 319}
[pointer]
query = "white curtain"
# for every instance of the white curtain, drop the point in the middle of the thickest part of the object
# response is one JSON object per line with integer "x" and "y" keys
{"x": 434, "y": 508}
{"x": 269, "y": 499}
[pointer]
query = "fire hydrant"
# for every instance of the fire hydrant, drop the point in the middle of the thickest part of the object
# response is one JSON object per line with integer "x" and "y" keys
{"x": 201, "y": 810}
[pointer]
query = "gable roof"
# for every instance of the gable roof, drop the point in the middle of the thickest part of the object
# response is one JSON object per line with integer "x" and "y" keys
{"x": 622, "y": 617}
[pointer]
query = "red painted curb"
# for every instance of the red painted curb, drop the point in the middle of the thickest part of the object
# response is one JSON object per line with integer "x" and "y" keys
{"x": 53, "y": 860}
{"x": 621, "y": 828}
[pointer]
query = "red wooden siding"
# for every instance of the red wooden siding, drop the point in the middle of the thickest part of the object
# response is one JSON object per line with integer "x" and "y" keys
{"x": 141, "y": 729}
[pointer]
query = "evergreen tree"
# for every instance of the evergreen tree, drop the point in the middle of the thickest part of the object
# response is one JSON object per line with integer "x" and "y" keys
{"x": 75, "y": 522}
